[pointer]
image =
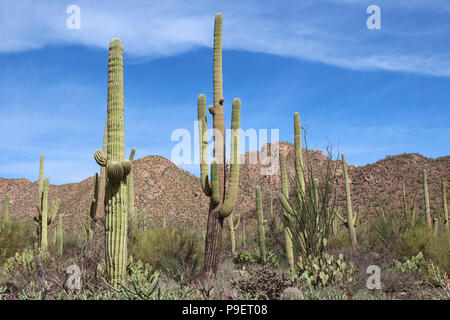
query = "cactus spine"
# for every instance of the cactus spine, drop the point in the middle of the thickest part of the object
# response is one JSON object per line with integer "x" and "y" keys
{"x": 117, "y": 169}
{"x": 59, "y": 236}
{"x": 351, "y": 220}
{"x": 427, "y": 201}
{"x": 444, "y": 203}
{"x": 261, "y": 233}
{"x": 222, "y": 199}
{"x": 5, "y": 215}
{"x": 287, "y": 231}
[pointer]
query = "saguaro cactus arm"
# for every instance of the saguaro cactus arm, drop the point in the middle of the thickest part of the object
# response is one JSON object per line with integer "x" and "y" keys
{"x": 203, "y": 137}
{"x": 231, "y": 194}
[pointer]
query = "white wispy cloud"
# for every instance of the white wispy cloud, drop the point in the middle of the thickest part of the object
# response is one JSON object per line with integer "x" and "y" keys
{"x": 327, "y": 31}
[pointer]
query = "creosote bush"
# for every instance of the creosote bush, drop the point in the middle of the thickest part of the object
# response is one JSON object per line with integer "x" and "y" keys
{"x": 254, "y": 257}
{"x": 175, "y": 252}
{"x": 263, "y": 282}
{"x": 15, "y": 237}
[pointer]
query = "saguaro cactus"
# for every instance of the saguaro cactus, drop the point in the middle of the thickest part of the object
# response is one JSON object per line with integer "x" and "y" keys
{"x": 427, "y": 201}
{"x": 222, "y": 199}
{"x": 261, "y": 232}
{"x": 287, "y": 231}
{"x": 117, "y": 169}
{"x": 59, "y": 236}
{"x": 444, "y": 204}
{"x": 351, "y": 220}
{"x": 44, "y": 217}
{"x": 233, "y": 227}
{"x": 5, "y": 214}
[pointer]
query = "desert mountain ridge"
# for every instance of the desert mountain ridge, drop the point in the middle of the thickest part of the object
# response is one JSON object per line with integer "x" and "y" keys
{"x": 162, "y": 187}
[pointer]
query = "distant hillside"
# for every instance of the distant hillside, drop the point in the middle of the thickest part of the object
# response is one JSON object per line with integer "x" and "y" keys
{"x": 162, "y": 186}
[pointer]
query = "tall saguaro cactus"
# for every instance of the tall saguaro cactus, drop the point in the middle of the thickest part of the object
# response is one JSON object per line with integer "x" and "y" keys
{"x": 444, "y": 204}
{"x": 351, "y": 220}
{"x": 44, "y": 216}
{"x": 117, "y": 169}
{"x": 287, "y": 231}
{"x": 222, "y": 199}
{"x": 426, "y": 199}
{"x": 261, "y": 232}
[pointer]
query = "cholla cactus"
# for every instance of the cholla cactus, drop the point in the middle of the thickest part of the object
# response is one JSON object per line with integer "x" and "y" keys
{"x": 117, "y": 169}
{"x": 222, "y": 198}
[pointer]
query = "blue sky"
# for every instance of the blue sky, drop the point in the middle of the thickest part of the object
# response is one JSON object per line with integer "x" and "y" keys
{"x": 370, "y": 93}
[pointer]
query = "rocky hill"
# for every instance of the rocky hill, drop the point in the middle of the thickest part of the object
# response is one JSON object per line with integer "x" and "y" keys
{"x": 161, "y": 186}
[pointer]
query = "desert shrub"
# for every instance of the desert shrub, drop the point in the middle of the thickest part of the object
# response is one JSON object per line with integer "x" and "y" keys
{"x": 311, "y": 219}
{"x": 176, "y": 252}
{"x": 389, "y": 224}
{"x": 324, "y": 270}
{"x": 254, "y": 257}
{"x": 433, "y": 247}
{"x": 263, "y": 282}
{"x": 439, "y": 282}
{"x": 15, "y": 237}
{"x": 73, "y": 242}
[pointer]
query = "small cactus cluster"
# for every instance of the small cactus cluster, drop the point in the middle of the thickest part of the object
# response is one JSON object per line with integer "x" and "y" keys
{"x": 44, "y": 216}
{"x": 325, "y": 270}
